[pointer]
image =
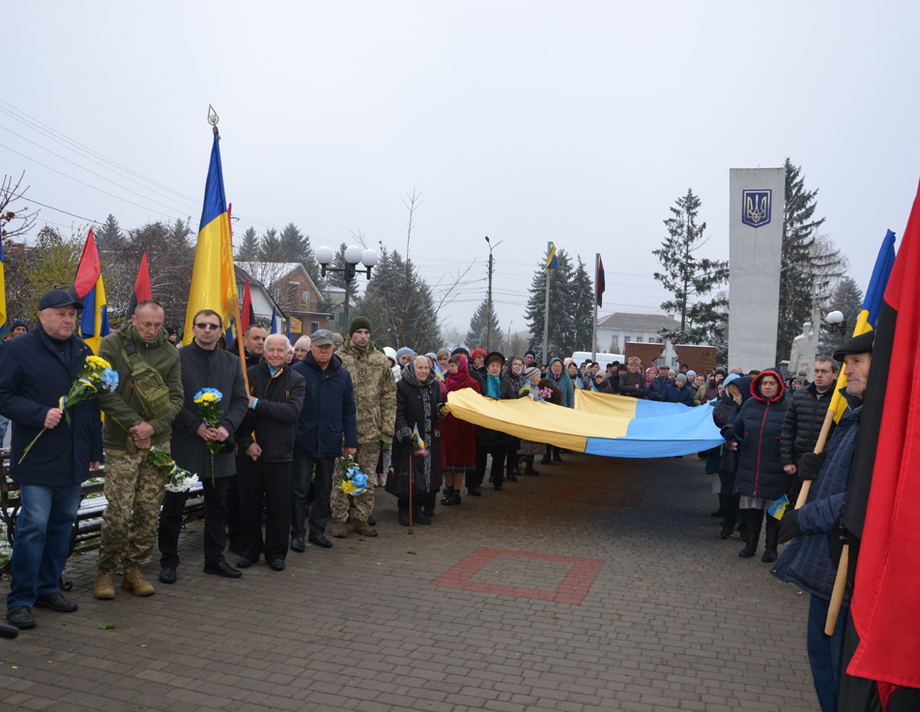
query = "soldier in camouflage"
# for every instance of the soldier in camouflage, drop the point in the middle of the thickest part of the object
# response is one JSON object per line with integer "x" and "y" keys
{"x": 375, "y": 397}
{"x": 134, "y": 489}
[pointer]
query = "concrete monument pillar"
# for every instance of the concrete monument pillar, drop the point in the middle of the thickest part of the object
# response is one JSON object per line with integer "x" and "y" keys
{"x": 755, "y": 225}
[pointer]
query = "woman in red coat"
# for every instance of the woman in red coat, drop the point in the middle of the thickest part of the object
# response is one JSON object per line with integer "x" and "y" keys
{"x": 459, "y": 441}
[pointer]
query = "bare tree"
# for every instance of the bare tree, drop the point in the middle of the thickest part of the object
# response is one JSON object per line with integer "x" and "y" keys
{"x": 14, "y": 223}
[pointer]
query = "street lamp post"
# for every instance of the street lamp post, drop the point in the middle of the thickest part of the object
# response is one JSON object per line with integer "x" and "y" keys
{"x": 837, "y": 324}
{"x": 354, "y": 255}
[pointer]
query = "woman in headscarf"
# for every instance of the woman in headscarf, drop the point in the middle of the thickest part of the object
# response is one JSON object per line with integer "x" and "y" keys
{"x": 515, "y": 376}
{"x": 459, "y": 439}
{"x": 761, "y": 479}
{"x": 418, "y": 399}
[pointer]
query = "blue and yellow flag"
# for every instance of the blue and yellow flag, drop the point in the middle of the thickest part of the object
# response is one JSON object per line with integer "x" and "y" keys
{"x": 2, "y": 291}
{"x": 274, "y": 328}
{"x": 552, "y": 262}
{"x": 868, "y": 316}
{"x": 438, "y": 372}
{"x": 213, "y": 278}
{"x": 599, "y": 424}
{"x": 94, "y": 323}
{"x": 779, "y": 507}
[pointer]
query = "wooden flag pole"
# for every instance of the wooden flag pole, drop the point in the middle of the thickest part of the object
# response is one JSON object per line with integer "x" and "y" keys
{"x": 819, "y": 448}
{"x": 840, "y": 584}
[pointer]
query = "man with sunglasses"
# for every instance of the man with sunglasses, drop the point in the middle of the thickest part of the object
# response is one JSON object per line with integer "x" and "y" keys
{"x": 204, "y": 366}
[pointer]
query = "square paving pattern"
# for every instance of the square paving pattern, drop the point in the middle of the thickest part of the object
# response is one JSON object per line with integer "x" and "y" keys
{"x": 563, "y": 579}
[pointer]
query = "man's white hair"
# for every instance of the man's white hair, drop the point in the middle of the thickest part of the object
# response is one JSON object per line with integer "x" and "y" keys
{"x": 278, "y": 337}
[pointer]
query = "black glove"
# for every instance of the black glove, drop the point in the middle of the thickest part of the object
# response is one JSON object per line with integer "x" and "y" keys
{"x": 727, "y": 433}
{"x": 809, "y": 466}
{"x": 789, "y": 526}
{"x": 404, "y": 436}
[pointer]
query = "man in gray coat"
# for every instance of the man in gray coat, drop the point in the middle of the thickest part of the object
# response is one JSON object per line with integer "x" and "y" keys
{"x": 204, "y": 366}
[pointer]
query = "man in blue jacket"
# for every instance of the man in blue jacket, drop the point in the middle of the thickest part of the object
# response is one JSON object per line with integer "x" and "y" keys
{"x": 807, "y": 561}
{"x": 328, "y": 414}
{"x": 36, "y": 371}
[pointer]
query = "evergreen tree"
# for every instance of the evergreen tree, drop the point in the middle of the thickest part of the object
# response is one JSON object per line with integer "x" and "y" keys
{"x": 809, "y": 262}
{"x": 691, "y": 279}
{"x": 249, "y": 247}
{"x": 561, "y": 325}
{"x": 582, "y": 313}
{"x": 483, "y": 332}
{"x": 108, "y": 236}
{"x": 847, "y": 298}
{"x": 337, "y": 279}
{"x": 270, "y": 249}
{"x": 295, "y": 247}
{"x": 408, "y": 310}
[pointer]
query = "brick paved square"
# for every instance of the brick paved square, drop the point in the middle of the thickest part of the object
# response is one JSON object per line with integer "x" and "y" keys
{"x": 605, "y": 496}
{"x": 572, "y": 576}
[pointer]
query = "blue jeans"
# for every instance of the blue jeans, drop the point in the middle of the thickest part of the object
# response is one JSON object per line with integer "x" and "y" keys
{"x": 825, "y": 653}
{"x": 42, "y": 542}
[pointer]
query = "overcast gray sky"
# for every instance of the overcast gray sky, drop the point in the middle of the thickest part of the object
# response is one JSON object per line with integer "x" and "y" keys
{"x": 575, "y": 122}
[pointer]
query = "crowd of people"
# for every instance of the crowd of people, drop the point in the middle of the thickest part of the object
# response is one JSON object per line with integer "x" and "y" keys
{"x": 295, "y": 419}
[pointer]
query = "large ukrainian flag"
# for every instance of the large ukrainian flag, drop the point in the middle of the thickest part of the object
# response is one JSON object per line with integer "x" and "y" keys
{"x": 213, "y": 278}
{"x": 600, "y": 423}
{"x": 94, "y": 323}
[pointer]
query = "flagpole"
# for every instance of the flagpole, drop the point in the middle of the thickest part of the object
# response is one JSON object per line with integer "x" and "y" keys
{"x": 236, "y": 305}
{"x": 597, "y": 266}
{"x": 819, "y": 448}
{"x": 549, "y": 274}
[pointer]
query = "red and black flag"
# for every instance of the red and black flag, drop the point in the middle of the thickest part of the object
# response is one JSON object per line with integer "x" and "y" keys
{"x": 883, "y": 497}
{"x": 247, "y": 315}
{"x": 600, "y": 282}
{"x": 141, "y": 287}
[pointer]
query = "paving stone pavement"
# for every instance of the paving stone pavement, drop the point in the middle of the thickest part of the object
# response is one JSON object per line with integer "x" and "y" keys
{"x": 483, "y": 610}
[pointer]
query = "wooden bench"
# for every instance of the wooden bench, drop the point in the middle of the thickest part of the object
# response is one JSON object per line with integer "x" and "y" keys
{"x": 89, "y": 516}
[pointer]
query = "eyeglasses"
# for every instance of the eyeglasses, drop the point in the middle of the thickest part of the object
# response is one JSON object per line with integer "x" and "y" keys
{"x": 209, "y": 327}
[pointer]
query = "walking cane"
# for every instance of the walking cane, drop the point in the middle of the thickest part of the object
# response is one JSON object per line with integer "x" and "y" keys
{"x": 411, "y": 487}
{"x": 8, "y": 631}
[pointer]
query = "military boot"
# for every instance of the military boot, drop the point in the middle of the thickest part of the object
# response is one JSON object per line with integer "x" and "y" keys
{"x": 339, "y": 530}
{"x": 133, "y": 580}
{"x": 103, "y": 587}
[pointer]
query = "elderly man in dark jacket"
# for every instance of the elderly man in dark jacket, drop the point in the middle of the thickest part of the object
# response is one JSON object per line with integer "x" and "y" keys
{"x": 807, "y": 561}
{"x": 204, "y": 366}
{"x": 804, "y": 418}
{"x": 265, "y": 443}
{"x": 328, "y": 415}
{"x": 36, "y": 371}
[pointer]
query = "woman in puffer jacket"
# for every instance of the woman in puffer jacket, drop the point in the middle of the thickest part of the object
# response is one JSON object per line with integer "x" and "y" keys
{"x": 760, "y": 479}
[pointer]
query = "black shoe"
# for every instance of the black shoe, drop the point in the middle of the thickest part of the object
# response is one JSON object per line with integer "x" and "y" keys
{"x": 371, "y": 522}
{"x": 21, "y": 617}
{"x": 448, "y": 496}
{"x": 420, "y": 518}
{"x": 222, "y": 569}
{"x": 56, "y": 602}
{"x": 297, "y": 544}
{"x": 404, "y": 517}
{"x": 514, "y": 471}
{"x": 497, "y": 488}
{"x": 277, "y": 565}
{"x": 717, "y": 513}
{"x": 474, "y": 491}
{"x": 531, "y": 471}
{"x": 427, "y": 511}
{"x": 244, "y": 563}
{"x": 168, "y": 574}
{"x": 511, "y": 477}
{"x": 545, "y": 461}
{"x": 319, "y": 540}
{"x": 557, "y": 459}
{"x": 727, "y": 531}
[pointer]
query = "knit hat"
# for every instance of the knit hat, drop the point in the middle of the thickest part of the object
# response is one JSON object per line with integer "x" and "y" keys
{"x": 531, "y": 352}
{"x": 478, "y": 352}
{"x": 530, "y": 372}
{"x": 403, "y": 351}
{"x": 691, "y": 375}
{"x": 23, "y": 325}
{"x": 681, "y": 377}
{"x": 390, "y": 353}
{"x": 359, "y": 322}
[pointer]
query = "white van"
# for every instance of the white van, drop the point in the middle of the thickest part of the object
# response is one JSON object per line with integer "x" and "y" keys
{"x": 579, "y": 357}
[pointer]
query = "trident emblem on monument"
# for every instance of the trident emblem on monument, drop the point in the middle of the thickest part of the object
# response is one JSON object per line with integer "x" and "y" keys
{"x": 756, "y": 207}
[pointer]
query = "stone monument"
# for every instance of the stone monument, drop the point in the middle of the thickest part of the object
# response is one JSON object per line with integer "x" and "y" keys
{"x": 757, "y": 196}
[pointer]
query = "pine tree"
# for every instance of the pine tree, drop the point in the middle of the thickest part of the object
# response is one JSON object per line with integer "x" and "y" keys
{"x": 337, "y": 279}
{"x": 270, "y": 249}
{"x": 691, "y": 279}
{"x": 561, "y": 325}
{"x": 582, "y": 309}
{"x": 108, "y": 235}
{"x": 480, "y": 335}
{"x": 408, "y": 306}
{"x": 249, "y": 246}
{"x": 809, "y": 262}
{"x": 295, "y": 247}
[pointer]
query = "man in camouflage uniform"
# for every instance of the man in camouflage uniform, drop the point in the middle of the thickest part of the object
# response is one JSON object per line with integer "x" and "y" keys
{"x": 375, "y": 397}
{"x": 134, "y": 489}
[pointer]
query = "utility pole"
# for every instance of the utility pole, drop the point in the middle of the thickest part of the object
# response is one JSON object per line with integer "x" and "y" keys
{"x": 597, "y": 267}
{"x": 549, "y": 274}
{"x": 489, "y": 307}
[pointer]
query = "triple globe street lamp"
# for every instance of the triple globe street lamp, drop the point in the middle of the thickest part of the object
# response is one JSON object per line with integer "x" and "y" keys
{"x": 355, "y": 255}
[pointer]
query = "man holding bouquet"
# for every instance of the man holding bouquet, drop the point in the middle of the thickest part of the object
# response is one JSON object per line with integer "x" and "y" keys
{"x": 36, "y": 372}
{"x": 138, "y": 414}
{"x": 204, "y": 447}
